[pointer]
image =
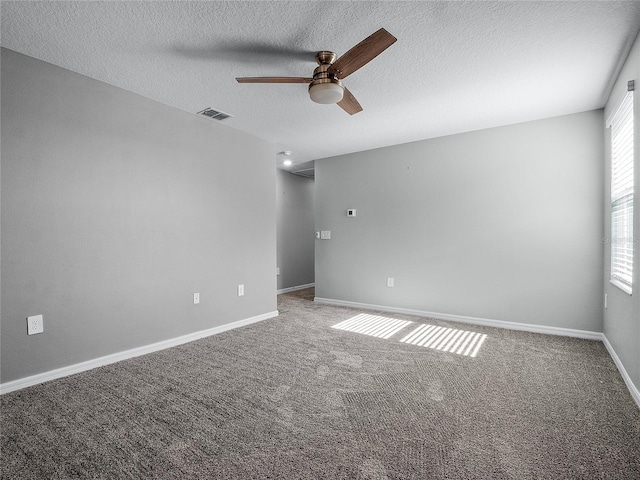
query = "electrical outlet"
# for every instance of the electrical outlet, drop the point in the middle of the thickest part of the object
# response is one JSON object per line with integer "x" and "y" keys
{"x": 277, "y": 270}
{"x": 390, "y": 281}
{"x": 240, "y": 290}
{"x": 35, "y": 325}
{"x": 606, "y": 301}
{"x": 196, "y": 298}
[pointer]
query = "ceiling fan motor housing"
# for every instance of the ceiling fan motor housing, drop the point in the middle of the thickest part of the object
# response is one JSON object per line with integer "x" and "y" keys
{"x": 325, "y": 87}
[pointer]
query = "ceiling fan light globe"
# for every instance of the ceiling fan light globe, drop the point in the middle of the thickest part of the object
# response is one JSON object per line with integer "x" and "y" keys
{"x": 326, "y": 93}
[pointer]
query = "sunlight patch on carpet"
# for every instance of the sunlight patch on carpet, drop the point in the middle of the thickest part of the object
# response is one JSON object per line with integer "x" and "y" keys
{"x": 446, "y": 339}
{"x": 374, "y": 325}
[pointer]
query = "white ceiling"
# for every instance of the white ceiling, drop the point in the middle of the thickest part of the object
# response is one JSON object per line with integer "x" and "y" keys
{"x": 456, "y": 67}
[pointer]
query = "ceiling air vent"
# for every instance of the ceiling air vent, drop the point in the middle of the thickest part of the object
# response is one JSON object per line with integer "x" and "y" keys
{"x": 215, "y": 114}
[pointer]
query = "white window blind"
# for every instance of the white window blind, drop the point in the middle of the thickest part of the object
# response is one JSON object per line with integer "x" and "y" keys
{"x": 622, "y": 189}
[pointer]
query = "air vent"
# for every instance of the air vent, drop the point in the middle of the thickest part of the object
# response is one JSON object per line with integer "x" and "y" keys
{"x": 215, "y": 114}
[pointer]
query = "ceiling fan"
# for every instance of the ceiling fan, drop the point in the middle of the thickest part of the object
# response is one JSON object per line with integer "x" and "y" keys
{"x": 326, "y": 84}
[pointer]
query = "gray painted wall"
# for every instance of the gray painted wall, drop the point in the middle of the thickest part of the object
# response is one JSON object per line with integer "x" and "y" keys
{"x": 502, "y": 224}
{"x": 622, "y": 317}
{"x": 115, "y": 210}
{"x": 295, "y": 229}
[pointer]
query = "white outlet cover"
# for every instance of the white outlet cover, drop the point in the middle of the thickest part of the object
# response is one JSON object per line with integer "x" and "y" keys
{"x": 325, "y": 234}
{"x": 241, "y": 290}
{"x": 196, "y": 298}
{"x": 35, "y": 324}
{"x": 390, "y": 281}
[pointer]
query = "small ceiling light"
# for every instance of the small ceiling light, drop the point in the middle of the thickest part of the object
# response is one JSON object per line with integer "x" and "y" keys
{"x": 329, "y": 92}
{"x": 287, "y": 158}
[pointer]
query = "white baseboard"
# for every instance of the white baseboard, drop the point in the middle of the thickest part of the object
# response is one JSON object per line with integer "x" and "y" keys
{"x": 635, "y": 393}
{"x": 134, "y": 352}
{"x": 527, "y": 327}
{"x": 293, "y": 289}
{"x": 154, "y": 347}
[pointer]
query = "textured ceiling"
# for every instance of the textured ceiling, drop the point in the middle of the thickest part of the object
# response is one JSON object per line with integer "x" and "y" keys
{"x": 456, "y": 67}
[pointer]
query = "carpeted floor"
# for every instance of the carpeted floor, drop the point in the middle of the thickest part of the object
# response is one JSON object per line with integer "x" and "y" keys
{"x": 294, "y": 398}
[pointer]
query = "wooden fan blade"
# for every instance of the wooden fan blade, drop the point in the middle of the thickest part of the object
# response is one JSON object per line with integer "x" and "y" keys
{"x": 362, "y": 53}
{"x": 273, "y": 80}
{"x": 349, "y": 103}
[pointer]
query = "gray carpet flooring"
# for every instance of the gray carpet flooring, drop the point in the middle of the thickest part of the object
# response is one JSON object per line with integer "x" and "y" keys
{"x": 294, "y": 398}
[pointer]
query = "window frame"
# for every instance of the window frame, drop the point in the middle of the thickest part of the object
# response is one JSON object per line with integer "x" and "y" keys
{"x": 622, "y": 196}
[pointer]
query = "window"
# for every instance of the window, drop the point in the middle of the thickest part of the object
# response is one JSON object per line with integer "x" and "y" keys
{"x": 622, "y": 240}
